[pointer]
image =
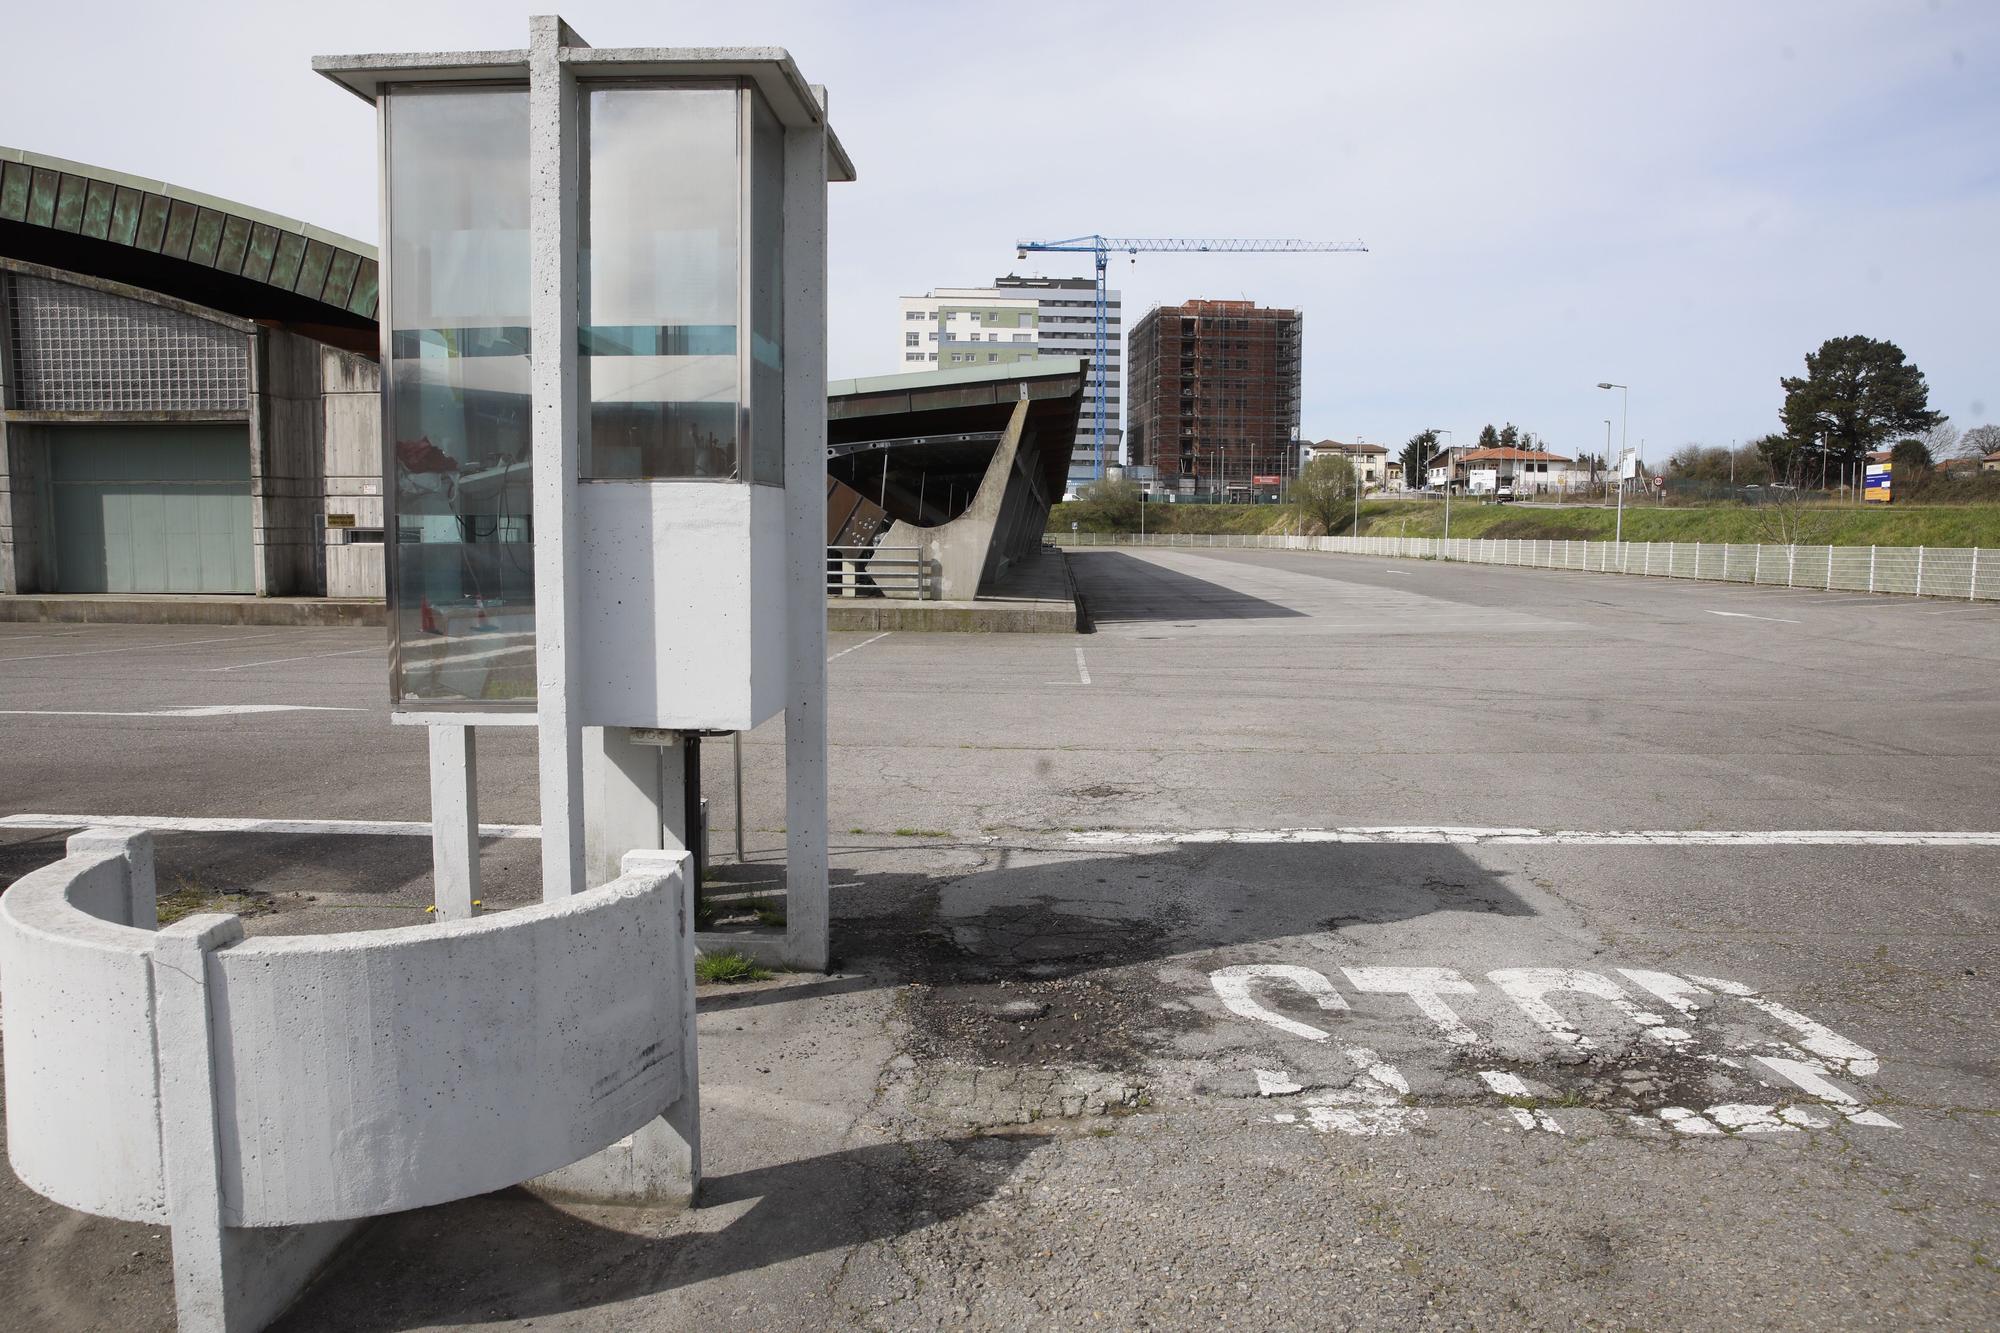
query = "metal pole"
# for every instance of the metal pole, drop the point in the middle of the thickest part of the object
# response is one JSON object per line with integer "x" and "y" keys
{"x": 736, "y": 745}
{"x": 1100, "y": 352}
{"x": 1439, "y": 430}
{"x": 1624, "y": 421}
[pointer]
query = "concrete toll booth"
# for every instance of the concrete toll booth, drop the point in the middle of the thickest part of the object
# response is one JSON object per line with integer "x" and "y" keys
{"x": 604, "y": 331}
{"x": 604, "y": 336}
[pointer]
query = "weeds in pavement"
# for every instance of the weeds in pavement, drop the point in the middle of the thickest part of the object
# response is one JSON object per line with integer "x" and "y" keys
{"x": 192, "y": 898}
{"x": 728, "y": 967}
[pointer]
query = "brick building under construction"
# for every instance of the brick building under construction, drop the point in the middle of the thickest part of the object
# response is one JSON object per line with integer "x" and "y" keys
{"x": 1212, "y": 397}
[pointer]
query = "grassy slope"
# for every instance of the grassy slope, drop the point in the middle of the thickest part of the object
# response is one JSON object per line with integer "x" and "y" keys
{"x": 1900, "y": 525}
{"x": 1192, "y": 518}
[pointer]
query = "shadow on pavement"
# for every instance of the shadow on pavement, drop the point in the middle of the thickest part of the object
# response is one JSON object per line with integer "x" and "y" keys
{"x": 1083, "y": 935}
{"x": 1123, "y": 589}
{"x": 510, "y": 1255}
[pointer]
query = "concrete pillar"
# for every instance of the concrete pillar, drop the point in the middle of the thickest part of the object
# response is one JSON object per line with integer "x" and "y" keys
{"x": 630, "y": 800}
{"x": 805, "y": 529}
{"x": 187, "y": 1114}
{"x": 227, "y": 1278}
{"x": 552, "y": 240}
{"x": 135, "y": 847}
{"x": 454, "y": 821}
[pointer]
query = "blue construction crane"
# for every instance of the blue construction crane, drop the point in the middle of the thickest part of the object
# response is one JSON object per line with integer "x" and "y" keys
{"x": 1104, "y": 246}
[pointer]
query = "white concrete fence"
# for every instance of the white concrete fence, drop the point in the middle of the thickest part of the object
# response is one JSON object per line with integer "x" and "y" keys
{"x": 1968, "y": 573}
{"x": 262, "y": 1095}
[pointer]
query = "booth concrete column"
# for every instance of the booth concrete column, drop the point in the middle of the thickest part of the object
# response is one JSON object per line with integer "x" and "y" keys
{"x": 552, "y": 244}
{"x": 806, "y": 904}
{"x": 454, "y": 820}
{"x": 634, "y": 796}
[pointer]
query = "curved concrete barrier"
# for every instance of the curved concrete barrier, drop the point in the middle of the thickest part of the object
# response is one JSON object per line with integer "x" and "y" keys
{"x": 228, "y": 1085}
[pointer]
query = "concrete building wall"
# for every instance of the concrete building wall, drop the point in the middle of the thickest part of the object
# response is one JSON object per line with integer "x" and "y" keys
{"x": 286, "y": 455}
{"x": 354, "y": 547}
{"x": 108, "y": 355}
{"x": 27, "y": 555}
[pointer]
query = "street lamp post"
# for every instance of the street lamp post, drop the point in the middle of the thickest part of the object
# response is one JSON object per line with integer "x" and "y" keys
{"x": 1607, "y": 459}
{"x": 1624, "y": 420}
{"x": 1354, "y": 470}
{"x": 1439, "y": 430}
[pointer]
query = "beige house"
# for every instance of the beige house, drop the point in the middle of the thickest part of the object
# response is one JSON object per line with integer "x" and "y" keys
{"x": 1371, "y": 461}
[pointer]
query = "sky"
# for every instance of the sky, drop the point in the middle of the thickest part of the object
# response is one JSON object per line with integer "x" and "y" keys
{"x": 1681, "y": 197}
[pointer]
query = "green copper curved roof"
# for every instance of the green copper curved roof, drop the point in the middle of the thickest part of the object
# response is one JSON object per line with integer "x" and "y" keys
{"x": 318, "y": 272}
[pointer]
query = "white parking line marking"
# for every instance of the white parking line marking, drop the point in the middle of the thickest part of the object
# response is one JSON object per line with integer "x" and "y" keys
{"x": 1809, "y": 1076}
{"x": 1378, "y": 1100}
{"x": 1423, "y": 834}
{"x": 1745, "y": 615}
{"x": 1510, "y": 1085}
{"x": 1424, "y": 986}
{"x": 1082, "y": 671}
{"x": 309, "y": 657}
{"x": 1276, "y": 1083}
{"x": 139, "y": 648}
{"x": 859, "y": 646}
{"x": 1232, "y": 984}
{"x": 195, "y": 824}
{"x": 205, "y": 710}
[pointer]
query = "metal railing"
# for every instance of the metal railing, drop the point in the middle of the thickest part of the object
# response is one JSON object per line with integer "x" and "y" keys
{"x": 1968, "y": 573}
{"x": 880, "y": 571}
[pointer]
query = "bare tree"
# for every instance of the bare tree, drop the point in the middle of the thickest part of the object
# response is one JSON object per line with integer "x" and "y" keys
{"x": 1942, "y": 440}
{"x": 1979, "y": 442}
{"x": 1324, "y": 492}
{"x": 1788, "y": 513}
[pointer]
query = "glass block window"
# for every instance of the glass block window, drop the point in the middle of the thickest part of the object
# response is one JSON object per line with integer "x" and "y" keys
{"x": 76, "y": 349}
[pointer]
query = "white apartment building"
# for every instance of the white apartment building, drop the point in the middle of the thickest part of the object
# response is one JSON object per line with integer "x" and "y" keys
{"x": 1019, "y": 319}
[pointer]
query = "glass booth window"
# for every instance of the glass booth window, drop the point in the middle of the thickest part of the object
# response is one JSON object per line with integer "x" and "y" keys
{"x": 660, "y": 283}
{"x": 767, "y": 295}
{"x": 462, "y": 563}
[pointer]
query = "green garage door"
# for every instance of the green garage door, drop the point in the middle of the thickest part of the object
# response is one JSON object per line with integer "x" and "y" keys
{"x": 151, "y": 508}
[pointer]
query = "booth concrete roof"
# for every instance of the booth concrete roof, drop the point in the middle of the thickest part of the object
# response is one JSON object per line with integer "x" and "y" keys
{"x": 795, "y": 102}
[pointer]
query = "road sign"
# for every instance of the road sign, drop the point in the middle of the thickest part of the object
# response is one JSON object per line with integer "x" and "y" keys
{"x": 1876, "y": 487}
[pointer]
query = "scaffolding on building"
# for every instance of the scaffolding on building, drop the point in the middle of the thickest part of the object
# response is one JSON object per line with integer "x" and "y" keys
{"x": 1213, "y": 398}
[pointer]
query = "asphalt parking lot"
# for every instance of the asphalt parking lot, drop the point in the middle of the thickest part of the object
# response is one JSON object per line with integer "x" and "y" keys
{"x": 1323, "y": 942}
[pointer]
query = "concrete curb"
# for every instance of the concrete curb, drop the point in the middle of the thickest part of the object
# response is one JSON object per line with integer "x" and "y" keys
{"x": 168, "y": 610}
{"x": 882, "y": 614}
